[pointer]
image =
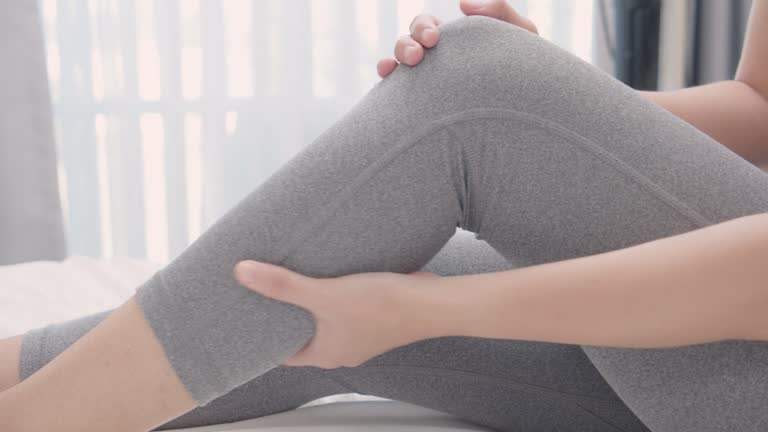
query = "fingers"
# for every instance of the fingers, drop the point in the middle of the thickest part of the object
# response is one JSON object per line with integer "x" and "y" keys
{"x": 423, "y": 30}
{"x": 273, "y": 281}
{"x": 408, "y": 51}
{"x": 498, "y": 9}
{"x": 386, "y": 67}
{"x": 528, "y": 25}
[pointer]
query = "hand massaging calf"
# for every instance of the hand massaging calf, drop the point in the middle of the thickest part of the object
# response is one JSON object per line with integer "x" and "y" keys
{"x": 505, "y": 135}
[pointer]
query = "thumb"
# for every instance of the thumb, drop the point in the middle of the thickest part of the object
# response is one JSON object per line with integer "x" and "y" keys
{"x": 272, "y": 281}
{"x": 498, "y": 9}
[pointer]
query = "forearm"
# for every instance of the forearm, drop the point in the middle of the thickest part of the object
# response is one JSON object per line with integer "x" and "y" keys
{"x": 703, "y": 286}
{"x": 731, "y": 112}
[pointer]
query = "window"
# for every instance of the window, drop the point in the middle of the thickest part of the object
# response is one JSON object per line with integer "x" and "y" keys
{"x": 168, "y": 112}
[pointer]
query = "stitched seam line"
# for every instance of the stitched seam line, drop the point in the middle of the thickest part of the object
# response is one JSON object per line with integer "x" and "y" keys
{"x": 571, "y": 398}
{"x": 368, "y": 173}
{"x": 600, "y": 418}
{"x": 483, "y": 114}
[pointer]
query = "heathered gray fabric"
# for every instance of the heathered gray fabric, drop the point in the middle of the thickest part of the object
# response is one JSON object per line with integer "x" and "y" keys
{"x": 503, "y": 384}
{"x": 503, "y": 134}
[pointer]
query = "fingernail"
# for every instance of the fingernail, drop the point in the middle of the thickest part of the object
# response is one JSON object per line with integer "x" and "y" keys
{"x": 480, "y": 3}
{"x": 410, "y": 54}
{"x": 247, "y": 271}
{"x": 428, "y": 32}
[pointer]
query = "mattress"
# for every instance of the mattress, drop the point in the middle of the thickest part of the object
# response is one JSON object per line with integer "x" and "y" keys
{"x": 38, "y": 293}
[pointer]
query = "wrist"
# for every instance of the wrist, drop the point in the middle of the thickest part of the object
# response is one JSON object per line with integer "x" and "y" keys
{"x": 443, "y": 306}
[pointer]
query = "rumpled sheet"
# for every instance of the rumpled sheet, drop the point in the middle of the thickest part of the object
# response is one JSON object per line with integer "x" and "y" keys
{"x": 367, "y": 416}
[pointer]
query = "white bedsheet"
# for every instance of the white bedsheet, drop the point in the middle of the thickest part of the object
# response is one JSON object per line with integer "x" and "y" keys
{"x": 37, "y": 293}
{"x": 353, "y": 416}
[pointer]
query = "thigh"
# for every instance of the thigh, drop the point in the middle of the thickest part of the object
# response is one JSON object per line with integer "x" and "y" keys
{"x": 713, "y": 387}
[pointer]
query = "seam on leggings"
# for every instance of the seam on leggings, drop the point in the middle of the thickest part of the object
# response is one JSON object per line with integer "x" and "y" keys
{"x": 617, "y": 164}
{"x": 571, "y": 398}
{"x": 600, "y": 418}
{"x": 415, "y": 138}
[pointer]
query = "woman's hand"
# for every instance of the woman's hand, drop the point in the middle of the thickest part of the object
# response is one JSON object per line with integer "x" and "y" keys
{"x": 424, "y": 32}
{"x": 358, "y": 316}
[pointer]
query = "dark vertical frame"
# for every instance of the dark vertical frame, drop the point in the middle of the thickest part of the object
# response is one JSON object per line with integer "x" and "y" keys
{"x": 637, "y": 42}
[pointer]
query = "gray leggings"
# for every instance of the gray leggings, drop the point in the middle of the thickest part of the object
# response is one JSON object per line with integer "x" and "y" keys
{"x": 500, "y": 133}
{"x": 504, "y": 384}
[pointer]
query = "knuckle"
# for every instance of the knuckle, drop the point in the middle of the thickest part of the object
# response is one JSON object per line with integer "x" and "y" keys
{"x": 280, "y": 280}
{"x": 402, "y": 43}
{"x": 419, "y": 20}
{"x": 420, "y": 23}
{"x": 413, "y": 23}
{"x": 405, "y": 40}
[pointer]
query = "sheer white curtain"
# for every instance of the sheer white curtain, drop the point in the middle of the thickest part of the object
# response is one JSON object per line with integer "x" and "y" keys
{"x": 168, "y": 112}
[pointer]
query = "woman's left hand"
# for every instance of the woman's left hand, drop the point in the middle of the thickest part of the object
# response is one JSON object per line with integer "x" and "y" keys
{"x": 358, "y": 316}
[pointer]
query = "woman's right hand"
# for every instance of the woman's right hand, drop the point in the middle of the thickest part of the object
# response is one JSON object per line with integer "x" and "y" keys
{"x": 409, "y": 49}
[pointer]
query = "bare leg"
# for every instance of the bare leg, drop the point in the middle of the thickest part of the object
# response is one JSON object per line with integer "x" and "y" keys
{"x": 116, "y": 361}
{"x": 9, "y": 363}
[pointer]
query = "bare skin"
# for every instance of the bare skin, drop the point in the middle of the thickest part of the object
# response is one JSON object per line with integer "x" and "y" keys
{"x": 10, "y": 349}
{"x": 122, "y": 382}
{"x": 130, "y": 386}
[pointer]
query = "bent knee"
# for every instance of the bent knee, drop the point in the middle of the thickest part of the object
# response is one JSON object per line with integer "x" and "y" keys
{"x": 498, "y": 64}
{"x": 479, "y": 29}
{"x": 486, "y": 41}
{"x": 486, "y": 59}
